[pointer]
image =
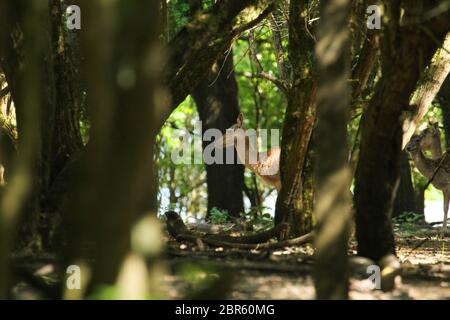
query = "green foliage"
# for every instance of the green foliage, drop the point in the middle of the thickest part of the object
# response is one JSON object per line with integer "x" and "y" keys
{"x": 199, "y": 277}
{"x": 408, "y": 221}
{"x": 219, "y": 216}
{"x": 255, "y": 93}
{"x": 178, "y": 13}
{"x": 181, "y": 186}
{"x": 193, "y": 273}
{"x": 84, "y": 128}
{"x": 105, "y": 292}
{"x": 259, "y": 221}
{"x": 432, "y": 194}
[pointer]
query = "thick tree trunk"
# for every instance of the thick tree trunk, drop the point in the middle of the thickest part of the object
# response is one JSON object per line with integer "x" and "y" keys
{"x": 332, "y": 171}
{"x": 216, "y": 97}
{"x": 377, "y": 173}
{"x": 298, "y": 124}
{"x": 115, "y": 175}
{"x": 59, "y": 136}
{"x": 15, "y": 67}
{"x": 27, "y": 83}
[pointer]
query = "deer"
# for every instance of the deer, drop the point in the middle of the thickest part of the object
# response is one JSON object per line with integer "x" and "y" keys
{"x": 437, "y": 168}
{"x": 430, "y": 139}
{"x": 266, "y": 165}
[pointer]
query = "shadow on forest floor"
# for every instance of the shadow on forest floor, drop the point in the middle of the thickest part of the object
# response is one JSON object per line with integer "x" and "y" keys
{"x": 287, "y": 273}
{"x": 280, "y": 274}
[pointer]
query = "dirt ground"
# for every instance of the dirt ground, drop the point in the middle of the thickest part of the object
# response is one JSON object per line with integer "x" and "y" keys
{"x": 191, "y": 271}
{"x": 286, "y": 274}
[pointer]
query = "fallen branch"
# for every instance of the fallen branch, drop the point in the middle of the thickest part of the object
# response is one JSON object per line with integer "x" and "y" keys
{"x": 176, "y": 227}
{"x": 260, "y": 246}
{"x": 178, "y": 230}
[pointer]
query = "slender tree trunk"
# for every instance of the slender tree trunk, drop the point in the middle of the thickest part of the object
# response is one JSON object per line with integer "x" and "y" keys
{"x": 333, "y": 174}
{"x": 216, "y": 97}
{"x": 298, "y": 123}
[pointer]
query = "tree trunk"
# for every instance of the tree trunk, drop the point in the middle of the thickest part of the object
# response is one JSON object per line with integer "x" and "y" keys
{"x": 115, "y": 178}
{"x": 15, "y": 66}
{"x": 216, "y": 97}
{"x": 66, "y": 141}
{"x": 377, "y": 172}
{"x": 298, "y": 124}
{"x": 332, "y": 171}
{"x": 69, "y": 96}
{"x": 405, "y": 200}
{"x": 27, "y": 83}
{"x": 59, "y": 136}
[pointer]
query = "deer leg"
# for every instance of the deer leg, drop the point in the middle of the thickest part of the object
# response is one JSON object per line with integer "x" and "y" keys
{"x": 444, "y": 222}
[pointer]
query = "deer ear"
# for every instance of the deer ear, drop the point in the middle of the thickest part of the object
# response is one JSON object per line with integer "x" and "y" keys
{"x": 240, "y": 120}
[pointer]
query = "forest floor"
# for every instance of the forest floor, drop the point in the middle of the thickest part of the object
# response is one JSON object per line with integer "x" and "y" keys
{"x": 287, "y": 273}
{"x": 199, "y": 271}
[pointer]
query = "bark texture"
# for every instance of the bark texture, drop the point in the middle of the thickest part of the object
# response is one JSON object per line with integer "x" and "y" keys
{"x": 332, "y": 171}
{"x": 59, "y": 136}
{"x": 27, "y": 83}
{"x": 216, "y": 97}
{"x": 298, "y": 123}
{"x": 377, "y": 172}
{"x": 114, "y": 179}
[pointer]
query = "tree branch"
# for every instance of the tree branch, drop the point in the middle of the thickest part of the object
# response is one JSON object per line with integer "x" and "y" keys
{"x": 178, "y": 230}
{"x": 4, "y": 92}
{"x": 197, "y": 45}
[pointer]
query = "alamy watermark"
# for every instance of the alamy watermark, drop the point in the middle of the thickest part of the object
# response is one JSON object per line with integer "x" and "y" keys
{"x": 374, "y": 17}
{"x": 375, "y": 276}
{"x": 73, "y": 281}
{"x": 73, "y": 17}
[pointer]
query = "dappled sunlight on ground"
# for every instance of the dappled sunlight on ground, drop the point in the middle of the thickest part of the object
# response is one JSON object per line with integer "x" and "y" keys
{"x": 287, "y": 273}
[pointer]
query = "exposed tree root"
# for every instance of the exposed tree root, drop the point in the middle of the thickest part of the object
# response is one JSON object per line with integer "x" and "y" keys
{"x": 178, "y": 230}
